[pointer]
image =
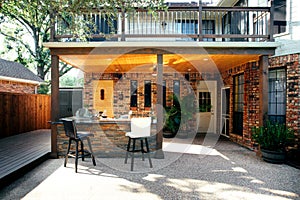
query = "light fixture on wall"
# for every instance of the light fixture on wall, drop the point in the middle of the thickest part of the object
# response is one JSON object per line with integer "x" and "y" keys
{"x": 187, "y": 75}
{"x": 163, "y": 25}
{"x": 154, "y": 70}
{"x": 118, "y": 75}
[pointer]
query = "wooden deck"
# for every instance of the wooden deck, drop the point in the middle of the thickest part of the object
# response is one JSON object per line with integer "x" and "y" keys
{"x": 21, "y": 152}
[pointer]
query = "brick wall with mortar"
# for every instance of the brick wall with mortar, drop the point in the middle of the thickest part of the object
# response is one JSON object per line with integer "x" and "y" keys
{"x": 16, "y": 87}
{"x": 251, "y": 100}
{"x": 291, "y": 63}
{"x": 122, "y": 88}
{"x": 252, "y": 91}
{"x": 110, "y": 140}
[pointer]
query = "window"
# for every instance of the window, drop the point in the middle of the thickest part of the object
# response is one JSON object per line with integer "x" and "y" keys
{"x": 147, "y": 92}
{"x": 279, "y": 16}
{"x": 238, "y": 103}
{"x": 102, "y": 94}
{"x": 204, "y": 102}
{"x": 208, "y": 27}
{"x": 277, "y": 95}
{"x": 100, "y": 24}
{"x": 191, "y": 27}
{"x": 164, "y": 94}
{"x": 187, "y": 26}
{"x": 133, "y": 93}
{"x": 176, "y": 90}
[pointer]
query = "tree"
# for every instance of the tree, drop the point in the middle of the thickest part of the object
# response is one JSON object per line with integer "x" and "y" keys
{"x": 31, "y": 28}
{"x": 33, "y": 19}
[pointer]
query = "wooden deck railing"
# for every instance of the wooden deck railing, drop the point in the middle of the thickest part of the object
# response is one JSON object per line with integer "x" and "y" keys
{"x": 195, "y": 23}
{"x": 21, "y": 113}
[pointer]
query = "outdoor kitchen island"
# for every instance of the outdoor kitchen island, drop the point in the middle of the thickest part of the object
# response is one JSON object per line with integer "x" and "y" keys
{"x": 109, "y": 136}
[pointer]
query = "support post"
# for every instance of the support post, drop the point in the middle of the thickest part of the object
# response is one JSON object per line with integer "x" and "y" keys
{"x": 123, "y": 25}
{"x": 54, "y": 103}
{"x": 271, "y": 22}
{"x": 159, "y": 107}
{"x": 200, "y": 34}
{"x": 263, "y": 87}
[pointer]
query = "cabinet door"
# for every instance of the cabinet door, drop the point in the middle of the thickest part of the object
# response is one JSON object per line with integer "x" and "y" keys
{"x": 69, "y": 102}
{"x": 76, "y": 100}
{"x": 65, "y": 109}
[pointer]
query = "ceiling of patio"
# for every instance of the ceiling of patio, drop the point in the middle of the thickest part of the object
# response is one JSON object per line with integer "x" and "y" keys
{"x": 127, "y": 63}
{"x": 126, "y": 57}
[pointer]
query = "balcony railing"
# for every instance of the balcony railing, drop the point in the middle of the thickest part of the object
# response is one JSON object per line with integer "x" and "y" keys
{"x": 197, "y": 23}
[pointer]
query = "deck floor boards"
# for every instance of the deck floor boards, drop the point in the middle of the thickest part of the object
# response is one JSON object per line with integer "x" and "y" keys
{"x": 19, "y": 151}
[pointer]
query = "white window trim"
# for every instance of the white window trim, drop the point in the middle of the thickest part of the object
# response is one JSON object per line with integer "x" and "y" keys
{"x": 288, "y": 20}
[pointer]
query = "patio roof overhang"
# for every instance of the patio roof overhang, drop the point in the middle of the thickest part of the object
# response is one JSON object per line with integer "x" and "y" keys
{"x": 122, "y": 57}
{"x": 181, "y": 56}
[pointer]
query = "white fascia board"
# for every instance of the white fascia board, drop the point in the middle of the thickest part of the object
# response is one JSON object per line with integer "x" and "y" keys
{"x": 160, "y": 44}
{"x": 19, "y": 80}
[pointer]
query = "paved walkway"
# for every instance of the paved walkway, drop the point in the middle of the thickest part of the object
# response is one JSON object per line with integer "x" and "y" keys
{"x": 213, "y": 171}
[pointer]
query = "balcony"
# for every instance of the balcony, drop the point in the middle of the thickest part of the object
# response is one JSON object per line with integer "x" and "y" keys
{"x": 192, "y": 23}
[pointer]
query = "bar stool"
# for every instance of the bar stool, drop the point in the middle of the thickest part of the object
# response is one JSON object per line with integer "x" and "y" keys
{"x": 78, "y": 137}
{"x": 140, "y": 130}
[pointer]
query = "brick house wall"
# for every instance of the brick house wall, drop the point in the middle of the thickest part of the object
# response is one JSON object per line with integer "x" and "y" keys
{"x": 17, "y": 87}
{"x": 251, "y": 100}
{"x": 291, "y": 63}
{"x": 122, "y": 87}
{"x": 252, "y": 95}
{"x": 110, "y": 139}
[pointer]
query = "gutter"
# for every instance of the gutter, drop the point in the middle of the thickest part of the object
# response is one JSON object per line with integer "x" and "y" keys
{"x": 20, "y": 80}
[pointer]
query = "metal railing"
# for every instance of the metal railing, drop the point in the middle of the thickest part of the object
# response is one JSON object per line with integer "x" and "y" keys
{"x": 195, "y": 23}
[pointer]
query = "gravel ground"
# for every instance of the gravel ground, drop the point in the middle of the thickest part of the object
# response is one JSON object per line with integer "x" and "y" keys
{"x": 221, "y": 171}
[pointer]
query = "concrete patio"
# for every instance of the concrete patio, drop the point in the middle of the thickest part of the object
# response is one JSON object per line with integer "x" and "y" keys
{"x": 214, "y": 170}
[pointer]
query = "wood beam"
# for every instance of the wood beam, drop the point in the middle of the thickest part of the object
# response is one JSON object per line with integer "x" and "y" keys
{"x": 263, "y": 87}
{"x": 159, "y": 108}
{"x": 54, "y": 103}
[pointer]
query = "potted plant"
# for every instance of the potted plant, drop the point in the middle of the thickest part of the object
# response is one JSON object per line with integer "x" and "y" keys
{"x": 187, "y": 111}
{"x": 178, "y": 117}
{"x": 172, "y": 118}
{"x": 272, "y": 139}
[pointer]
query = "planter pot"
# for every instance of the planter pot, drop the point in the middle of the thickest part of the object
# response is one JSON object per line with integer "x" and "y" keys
{"x": 169, "y": 135}
{"x": 273, "y": 156}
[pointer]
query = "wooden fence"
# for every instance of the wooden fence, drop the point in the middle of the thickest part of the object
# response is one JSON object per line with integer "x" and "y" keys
{"x": 21, "y": 113}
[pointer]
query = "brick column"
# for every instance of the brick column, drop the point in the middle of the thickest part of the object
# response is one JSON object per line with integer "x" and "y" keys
{"x": 293, "y": 92}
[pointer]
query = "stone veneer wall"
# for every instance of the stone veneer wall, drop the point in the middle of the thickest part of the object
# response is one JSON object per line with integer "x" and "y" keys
{"x": 109, "y": 139}
{"x": 16, "y": 87}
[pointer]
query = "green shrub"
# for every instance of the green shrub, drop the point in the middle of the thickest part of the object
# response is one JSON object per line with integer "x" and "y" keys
{"x": 272, "y": 136}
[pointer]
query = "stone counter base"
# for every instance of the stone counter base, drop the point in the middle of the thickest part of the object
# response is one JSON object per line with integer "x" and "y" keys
{"x": 109, "y": 139}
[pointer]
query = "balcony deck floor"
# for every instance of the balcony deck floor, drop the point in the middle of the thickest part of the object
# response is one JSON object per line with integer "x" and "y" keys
{"x": 21, "y": 152}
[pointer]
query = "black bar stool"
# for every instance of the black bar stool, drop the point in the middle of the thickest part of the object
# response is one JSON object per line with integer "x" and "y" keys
{"x": 77, "y": 137}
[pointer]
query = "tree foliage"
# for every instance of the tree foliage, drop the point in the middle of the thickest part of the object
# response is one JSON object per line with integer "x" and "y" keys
{"x": 25, "y": 24}
{"x": 34, "y": 19}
